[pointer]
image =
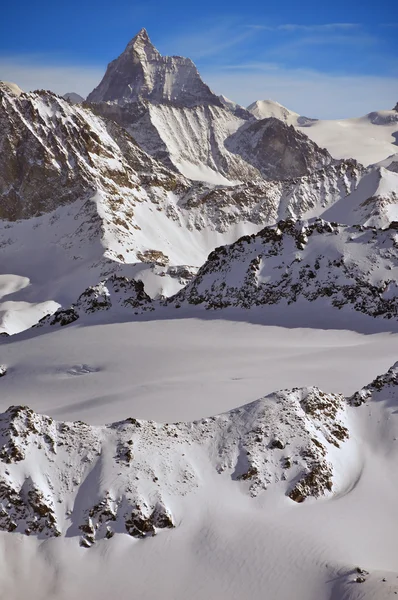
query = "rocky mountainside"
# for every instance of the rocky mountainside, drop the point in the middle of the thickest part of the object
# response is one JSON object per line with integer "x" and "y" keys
{"x": 53, "y": 153}
{"x": 72, "y": 479}
{"x": 107, "y": 207}
{"x": 293, "y": 261}
{"x": 175, "y": 117}
{"x": 368, "y": 139}
{"x": 100, "y": 179}
{"x": 276, "y": 150}
{"x": 140, "y": 72}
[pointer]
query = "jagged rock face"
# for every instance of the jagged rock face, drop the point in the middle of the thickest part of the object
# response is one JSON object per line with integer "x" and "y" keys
{"x": 52, "y": 153}
{"x": 115, "y": 291}
{"x": 174, "y": 116}
{"x": 277, "y": 150}
{"x": 396, "y": 107}
{"x": 287, "y": 439}
{"x": 141, "y": 72}
{"x": 190, "y": 140}
{"x": 354, "y": 266}
{"x": 384, "y": 386}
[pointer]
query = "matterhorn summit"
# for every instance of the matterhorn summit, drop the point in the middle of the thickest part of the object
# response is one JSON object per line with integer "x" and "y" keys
{"x": 141, "y": 72}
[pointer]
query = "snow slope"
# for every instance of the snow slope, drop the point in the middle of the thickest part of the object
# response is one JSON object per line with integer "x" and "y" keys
{"x": 265, "y": 109}
{"x": 18, "y": 316}
{"x": 73, "y": 98}
{"x": 354, "y": 267}
{"x": 368, "y": 139}
{"x": 175, "y": 117}
{"x": 319, "y": 547}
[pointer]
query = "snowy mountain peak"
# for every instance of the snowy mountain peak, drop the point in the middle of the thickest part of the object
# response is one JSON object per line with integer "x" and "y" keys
{"x": 396, "y": 107}
{"x": 140, "y": 72}
{"x": 73, "y": 98}
{"x": 10, "y": 88}
{"x": 264, "y": 109}
{"x": 141, "y": 44}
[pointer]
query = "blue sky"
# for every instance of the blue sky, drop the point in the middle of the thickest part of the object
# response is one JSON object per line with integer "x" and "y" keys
{"x": 321, "y": 59}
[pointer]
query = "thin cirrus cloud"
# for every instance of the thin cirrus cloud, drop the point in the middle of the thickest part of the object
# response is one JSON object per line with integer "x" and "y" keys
{"x": 281, "y": 68}
{"x": 295, "y": 27}
{"x": 207, "y": 41}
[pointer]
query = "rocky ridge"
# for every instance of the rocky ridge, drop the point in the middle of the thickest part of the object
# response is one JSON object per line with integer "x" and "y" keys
{"x": 349, "y": 266}
{"x": 73, "y": 479}
{"x": 175, "y": 117}
{"x": 114, "y": 292}
{"x": 69, "y": 478}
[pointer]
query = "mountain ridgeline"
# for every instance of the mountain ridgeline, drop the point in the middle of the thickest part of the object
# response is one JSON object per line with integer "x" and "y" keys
{"x": 153, "y": 171}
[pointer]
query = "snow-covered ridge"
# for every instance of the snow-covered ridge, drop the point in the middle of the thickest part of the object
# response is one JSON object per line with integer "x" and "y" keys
{"x": 61, "y": 478}
{"x": 69, "y": 478}
{"x": 114, "y": 292}
{"x": 175, "y": 117}
{"x": 264, "y": 109}
{"x": 368, "y": 139}
{"x": 349, "y": 266}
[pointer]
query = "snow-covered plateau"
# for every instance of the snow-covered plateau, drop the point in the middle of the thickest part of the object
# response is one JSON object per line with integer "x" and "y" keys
{"x": 198, "y": 344}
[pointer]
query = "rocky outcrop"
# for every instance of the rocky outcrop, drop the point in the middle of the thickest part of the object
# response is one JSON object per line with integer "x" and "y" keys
{"x": 53, "y": 153}
{"x": 277, "y": 150}
{"x": 59, "y": 478}
{"x": 385, "y": 384}
{"x": 348, "y": 266}
{"x": 115, "y": 292}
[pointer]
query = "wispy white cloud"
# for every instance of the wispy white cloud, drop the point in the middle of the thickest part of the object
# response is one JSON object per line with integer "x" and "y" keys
{"x": 290, "y": 48}
{"x": 250, "y": 66}
{"x": 295, "y": 27}
{"x": 208, "y": 41}
{"x": 32, "y": 73}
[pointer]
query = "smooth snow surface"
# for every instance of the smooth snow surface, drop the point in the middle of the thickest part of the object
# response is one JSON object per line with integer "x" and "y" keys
{"x": 16, "y": 316}
{"x": 264, "y": 109}
{"x": 226, "y": 544}
{"x": 182, "y": 369}
{"x": 368, "y": 139}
